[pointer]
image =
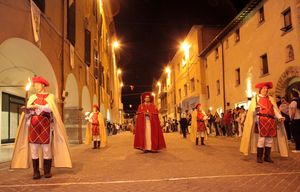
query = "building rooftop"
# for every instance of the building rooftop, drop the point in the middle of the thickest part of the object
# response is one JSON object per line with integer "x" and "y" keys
{"x": 236, "y": 21}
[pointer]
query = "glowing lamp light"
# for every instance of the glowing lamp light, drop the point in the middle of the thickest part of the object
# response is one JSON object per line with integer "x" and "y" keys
{"x": 158, "y": 84}
{"x": 119, "y": 72}
{"x": 185, "y": 46}
{"x": 153, "y": 94}
{"x": 168, "y": 70}
{"x": 28, "y": 85}
{"x": 122, "y": 85}
{"x": 116, "y": 44}
{"x": 210, "y": 108}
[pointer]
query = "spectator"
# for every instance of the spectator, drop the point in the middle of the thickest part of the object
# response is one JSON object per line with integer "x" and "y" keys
{"x": 217, "y": 124}
{"x": 184, "y": 124}
{"x": 241, "y": 119}
{"x": 294, "y": 112}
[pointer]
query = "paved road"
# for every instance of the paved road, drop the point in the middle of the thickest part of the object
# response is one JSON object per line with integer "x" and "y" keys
{"x": 218, "y": 166}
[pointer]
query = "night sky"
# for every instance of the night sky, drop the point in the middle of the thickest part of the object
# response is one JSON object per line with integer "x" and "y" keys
{"x": 150, "y": 32}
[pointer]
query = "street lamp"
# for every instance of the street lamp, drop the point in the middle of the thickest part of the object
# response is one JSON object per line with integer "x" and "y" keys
{"x": 116, "y": 44}
{"x": 119, "y": 71}
{"x": 168, "y": 70}
{"x": 185, "y": 47}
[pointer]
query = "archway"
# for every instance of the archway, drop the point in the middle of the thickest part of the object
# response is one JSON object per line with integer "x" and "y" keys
{"x": 86, "y": 107}
{"x": 95, "y": 99}
{"x": 72, "y": 110}
{"x": 283, "y": 83}
{"x": 19, "y": 60}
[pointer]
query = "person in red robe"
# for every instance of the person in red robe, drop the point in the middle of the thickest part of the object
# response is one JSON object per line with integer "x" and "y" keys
{"x": 198, "y": 127}
{"x": 148, "y": 132}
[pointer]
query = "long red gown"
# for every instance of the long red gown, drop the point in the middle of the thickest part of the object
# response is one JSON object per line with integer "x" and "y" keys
{"x": 157, "y": 138}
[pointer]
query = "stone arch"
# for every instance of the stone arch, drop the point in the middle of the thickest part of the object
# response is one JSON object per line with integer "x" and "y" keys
{"x": 72, "y": 110}
{"x": 86, "y": 107}
{"x": 72, "y": 100}
{"x": 20, "y": 59}
{"x": 95, "y": 99}
{"x": 284, "y": 79}
{"x": 86, "y": 100}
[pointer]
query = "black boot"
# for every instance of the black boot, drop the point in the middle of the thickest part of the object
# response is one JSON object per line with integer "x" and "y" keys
{"x": 260, "y": 152}
{"x": 36, "y": 169}
{"x": 202, "y": 141}
{"x": 197, "y": 141}
{"x": 47, "y": 168}
{"x": 268, "y": 155}
{"x": 95, "y": 145}
{"x": 98, "y": 144}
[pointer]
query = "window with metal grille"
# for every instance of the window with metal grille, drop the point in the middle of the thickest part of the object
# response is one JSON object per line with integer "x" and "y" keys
{"x": 71, "y": 21}
{"x": 87, "y": 47}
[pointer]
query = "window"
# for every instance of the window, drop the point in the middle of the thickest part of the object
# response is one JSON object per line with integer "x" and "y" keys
{"x": 193, "y": 85}
{"x": 237, "y": 35}
{"x": 216, "y": 53}
{"x": 40, "y": 4}
{"x": 289, "y": 53}
{"x": 101, "y": 72}
{"x": 71, "y": 21}
{"x": 227, "y": 43}
{"x": 107, "y": 84}
{"x": 87, "y": 47}
{"x": 237, "y": 76}
{"x": 218, "y": 87}
{"x": 264, "y": 64}
{"x": 179, "y": 93}
{"x": 287, "y": 20}
{"x": 208, "y": 94}
{"x": 261, "y": 15}
{"x": 205, "y": 63}
{"x": 185, "y": 90}
{"x": 96, "y": 63}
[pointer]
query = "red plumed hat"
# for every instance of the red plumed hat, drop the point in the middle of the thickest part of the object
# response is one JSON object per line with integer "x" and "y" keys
{"x": 143, "y": 96}
{"x": 41, "y": 80}
{"x": 96, "y": 106}
{"x": 264, "y": 84}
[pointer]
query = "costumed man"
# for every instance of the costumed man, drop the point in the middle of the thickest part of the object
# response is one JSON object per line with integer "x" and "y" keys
{"x": 96, "y": 130}
{"x": 41, "y": 135}
{"x": 263, "y": 128}
{"x": 198, "y": 126}
{"x": 148, "y": 132}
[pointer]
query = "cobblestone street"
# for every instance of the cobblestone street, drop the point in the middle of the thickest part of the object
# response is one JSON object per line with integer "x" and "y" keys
{"x": 218, "y": 166}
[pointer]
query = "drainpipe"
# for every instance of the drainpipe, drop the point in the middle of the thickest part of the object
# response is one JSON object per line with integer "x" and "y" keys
{"x": 62, "y": 60}
{"x": 223, "y": 76}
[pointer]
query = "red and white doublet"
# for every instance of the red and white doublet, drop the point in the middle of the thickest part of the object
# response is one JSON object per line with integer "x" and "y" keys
{"x": 39, "y": 129}
{"x": 266, "y": 117}
{"x": 200, "y": 121}
{"x": 95, "y": 124}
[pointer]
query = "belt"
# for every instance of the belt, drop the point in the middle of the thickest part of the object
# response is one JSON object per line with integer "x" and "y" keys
{"x": 266, "y": 115}
{"x": 200, "y": 120}
{"x": 43, "y": 114}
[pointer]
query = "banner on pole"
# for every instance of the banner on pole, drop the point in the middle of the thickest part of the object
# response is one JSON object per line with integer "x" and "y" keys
{"x": 36, "y": 20}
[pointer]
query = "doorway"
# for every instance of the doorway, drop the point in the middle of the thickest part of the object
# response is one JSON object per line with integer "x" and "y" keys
{"x": 11, "y": 105}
